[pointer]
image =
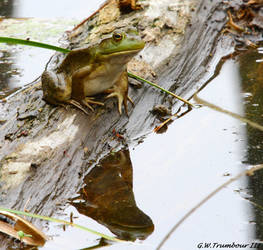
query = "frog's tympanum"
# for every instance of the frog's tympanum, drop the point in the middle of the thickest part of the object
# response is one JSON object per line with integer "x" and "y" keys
{"x": 96, "y": 69}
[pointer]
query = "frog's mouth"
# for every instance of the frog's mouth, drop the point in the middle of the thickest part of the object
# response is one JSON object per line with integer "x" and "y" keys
{"x": 119, "y": 57}
{"x": 131, "y": 51}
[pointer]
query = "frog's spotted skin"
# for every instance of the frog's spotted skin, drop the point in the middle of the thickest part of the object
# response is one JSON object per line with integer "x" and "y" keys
{"x": 100, "y": 68}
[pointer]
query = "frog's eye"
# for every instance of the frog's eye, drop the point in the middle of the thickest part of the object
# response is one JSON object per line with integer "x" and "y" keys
{"x": 117, "y": 36}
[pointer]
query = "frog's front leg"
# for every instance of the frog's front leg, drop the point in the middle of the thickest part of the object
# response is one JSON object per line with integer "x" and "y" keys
{"x": 78, "y": 89}
{"x": 120, "y": 91}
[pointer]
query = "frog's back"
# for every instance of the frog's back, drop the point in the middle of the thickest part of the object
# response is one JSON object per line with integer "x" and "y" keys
{"x": 75, "y": 60}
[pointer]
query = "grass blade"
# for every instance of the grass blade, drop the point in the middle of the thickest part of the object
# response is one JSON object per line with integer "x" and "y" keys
{"x": 61, "y": 222}
{"x": 10, "y": 40}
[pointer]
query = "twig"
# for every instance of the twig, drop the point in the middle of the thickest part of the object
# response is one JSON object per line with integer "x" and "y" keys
{"x": 232, "y": 24}
{"x": 156, "y": 129}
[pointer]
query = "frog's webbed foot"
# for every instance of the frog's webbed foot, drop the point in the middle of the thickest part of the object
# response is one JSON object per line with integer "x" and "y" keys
{"x": 78, "y": 105}
{"x": 88, "y": 100}
{"x": 130, "y": 100}
{"x": 122, "y": 99}
{"x": 85, "y": 102}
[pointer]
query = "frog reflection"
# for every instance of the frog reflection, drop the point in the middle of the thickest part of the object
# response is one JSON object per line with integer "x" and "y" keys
{"x": 108, "y": 198}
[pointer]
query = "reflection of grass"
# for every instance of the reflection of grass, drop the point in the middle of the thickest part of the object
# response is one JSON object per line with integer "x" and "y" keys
{"x": 61, "y": 222}
{"x": 248, "y": 172}
{"x": 59, "y": 49}
{"x": 224, "y": 111}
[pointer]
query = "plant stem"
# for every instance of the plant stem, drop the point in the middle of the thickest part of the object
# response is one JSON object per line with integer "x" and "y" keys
{"x": 61, "y": 222}
{"x": 162, "y": 89}
{"x": 10, "y": 40}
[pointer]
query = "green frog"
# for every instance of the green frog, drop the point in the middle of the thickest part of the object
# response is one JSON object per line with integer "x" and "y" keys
{"x": 99, "y": 68}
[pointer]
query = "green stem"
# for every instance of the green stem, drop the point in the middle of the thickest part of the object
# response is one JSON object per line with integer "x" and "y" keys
{"x": 162, "y": 89}
{"x": 61, "y": 222}
{"x": 10, "y": 40}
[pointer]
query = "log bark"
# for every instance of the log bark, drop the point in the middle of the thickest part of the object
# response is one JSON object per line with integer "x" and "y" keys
{"x": 46, "y": 151}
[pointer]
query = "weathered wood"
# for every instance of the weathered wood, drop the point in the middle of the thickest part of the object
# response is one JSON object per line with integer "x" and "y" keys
{"x": 42, "y": 147}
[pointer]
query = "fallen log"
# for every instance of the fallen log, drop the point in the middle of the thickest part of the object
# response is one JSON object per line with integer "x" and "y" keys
{"x": 46, "y": 150}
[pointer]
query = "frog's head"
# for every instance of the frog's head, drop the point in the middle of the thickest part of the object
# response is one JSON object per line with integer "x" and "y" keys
{"x": 122, "y": 45}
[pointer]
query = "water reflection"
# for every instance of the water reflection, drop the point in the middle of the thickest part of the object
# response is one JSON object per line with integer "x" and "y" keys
{"x": 21, "y": 64}
{"x": 251, "y": 72}
{"x": 6, "y": 8}
{"x": 108, "y": 198}
{"x": 4, "y": 68}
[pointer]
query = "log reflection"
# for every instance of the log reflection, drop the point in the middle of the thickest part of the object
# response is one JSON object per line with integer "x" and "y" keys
{"x": 251, "y": 73}
{"x": 108, "y": 198}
